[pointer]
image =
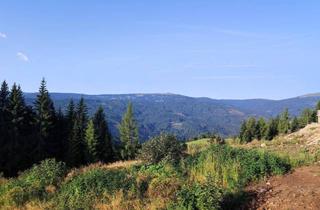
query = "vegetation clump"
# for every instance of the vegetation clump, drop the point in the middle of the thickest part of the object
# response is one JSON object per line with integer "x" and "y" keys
{"x": 162, "y": 148}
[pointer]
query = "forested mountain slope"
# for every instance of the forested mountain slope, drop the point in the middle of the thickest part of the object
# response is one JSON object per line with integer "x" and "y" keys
{"x": 182, "y": 115}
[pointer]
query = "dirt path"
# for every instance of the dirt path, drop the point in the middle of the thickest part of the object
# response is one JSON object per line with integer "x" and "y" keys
{"x": 298, "y": 190}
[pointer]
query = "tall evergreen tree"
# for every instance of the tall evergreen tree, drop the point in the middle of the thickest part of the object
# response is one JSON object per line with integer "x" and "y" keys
{"x": 70, "y": 121}
{"x": 4, "y": 102}
{"x": 77, "y": 142}
{"x": 294, "y": 125}
{"x": 4, "y": 122}
{"x": 272, "y": 128}
{"x": 307, "y": 116}
{"x": 129, "y": 134}
{"x": 20, "y": 127}
{"x": 61, "y": 135}
{"x": 105, "y": 151}
{"x": 284, "y": 122}
{"x": 261, "y": 128}
{"x": 45, "y": 119}
{"x": 92, "y": 146}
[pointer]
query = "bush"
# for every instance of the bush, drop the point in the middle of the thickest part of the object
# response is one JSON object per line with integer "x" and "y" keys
{"x": 162, "y": 148}
{"x": 232, "y": 168}
{"x": 205, "y": 196}
{"x": 33, "y": 183}
{"x": 81, "y": 191}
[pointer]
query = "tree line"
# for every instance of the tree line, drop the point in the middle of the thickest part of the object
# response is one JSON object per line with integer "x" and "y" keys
{"x": 261, "y": 128}
{"x": 29, "y": 134}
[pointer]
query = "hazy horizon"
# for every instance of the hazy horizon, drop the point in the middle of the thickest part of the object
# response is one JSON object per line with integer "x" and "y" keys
{"x": 217, "y": 49}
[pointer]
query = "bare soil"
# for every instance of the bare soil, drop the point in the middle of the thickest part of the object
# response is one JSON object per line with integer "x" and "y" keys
{"x": 297, "y": 190}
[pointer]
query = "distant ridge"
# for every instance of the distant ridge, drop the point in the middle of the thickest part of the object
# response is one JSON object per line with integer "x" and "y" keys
{"x": 183, "y": 115}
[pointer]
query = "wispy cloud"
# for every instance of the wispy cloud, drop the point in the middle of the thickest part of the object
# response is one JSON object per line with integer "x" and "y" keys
{"x": 3, "y": 35}
{"x": 23, "y": 57}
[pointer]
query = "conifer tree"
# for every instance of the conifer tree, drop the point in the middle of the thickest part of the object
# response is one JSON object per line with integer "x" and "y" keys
{"x": 45, "y": 120}
{"x": 4, "y": 102}
{"x": 272, "y": 128}
{"x": 129, "y": 134}
{"x": 61, "y": 134}
{"x": 294, "y": 125}
{"x": 77, "y": 142}
{"x": 92, "y": 146}
{"x": 105, "y": 151}
{"x": 243, "y": 130}
{"x": 20, "y": 127}
{"x": 70, "y": 121}
{"x": 4, "y": 121}
{"x": 307, "y": 116}
{"x": 284, "y": 122}
{"x": 261, "y": 127}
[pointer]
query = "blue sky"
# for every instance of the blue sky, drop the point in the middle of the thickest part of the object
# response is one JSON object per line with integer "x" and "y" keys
{"x": 218, "y": 49}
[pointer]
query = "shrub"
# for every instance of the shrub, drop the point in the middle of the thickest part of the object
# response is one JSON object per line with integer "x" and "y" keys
{"x": 81, "y": 191}
{"x": 232, "y": 168}
{"x": 162, "y": 148}
{"x": 33, "y": 183}
{"x": 205, "y": 196}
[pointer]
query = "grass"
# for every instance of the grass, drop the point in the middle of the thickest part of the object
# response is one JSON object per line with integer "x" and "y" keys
{"x": 208, "y": 178}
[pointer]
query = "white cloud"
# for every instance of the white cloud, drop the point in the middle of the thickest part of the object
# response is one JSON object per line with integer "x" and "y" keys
{"x": 22, "y": 57}
{"x": 3, "y": 35}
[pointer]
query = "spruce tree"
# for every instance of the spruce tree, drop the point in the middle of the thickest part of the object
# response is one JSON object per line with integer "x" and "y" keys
{"x": 272, "y": 128}
{"x": 4, "y": 102}
{"x": 77, "y": 142}
{"x": 284, "y": 122}
{"x": 70, "y": 121}
{"x": 294, "y": 125}
{"x": 261, "y": 127}
{"x": 105, "y": 151}
{"x": 61, "y": 135}
{"x": 242, "y": 133}
{"x": 45, "y": 119}
{"x": 129, "y": 134}
{"x": 92, "y": 146}
{"x": 4, "y": 122}
{"x": 19, "y": 148}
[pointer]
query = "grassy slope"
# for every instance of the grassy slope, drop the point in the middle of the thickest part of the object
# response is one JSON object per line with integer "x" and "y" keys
{"x": 212, "y": 171}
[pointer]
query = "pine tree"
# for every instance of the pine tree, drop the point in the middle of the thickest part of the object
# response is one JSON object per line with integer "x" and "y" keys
{"x": 4, "y": 102}
{"x": 295, "y": 125}
{"x": 92, "y": 146}
{"x": 61, "y": 134}
{"x": 4, "y": 121}
{"x": 272, "y": 128}
{"x": 318, "y": 106}
{"x": 242, "y": 133}
{"x": 45, "y": 119}
{"x": 105, "y": 152}
{"x": 77, "y": 142}
{"x": 129, "y": 134}
{"x": 261, "y": 128}
{"x": 307, "y": 116}
{"x": 284, "y": 122}
{"x": 20, "y": 128}
{"x": 70, "y": 121}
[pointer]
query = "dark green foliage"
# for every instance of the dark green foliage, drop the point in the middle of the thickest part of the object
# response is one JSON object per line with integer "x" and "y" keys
{"x": 31, "y": 134}
{"x": 294, "y": 125}
{"x": 31, "y": 185}
{"x": 78, "y": 193}
{"x": 162, "y": 148}
{"x": 102, "y": 133}
{"x": 248, "y": 130}
{"x": 261, "y": 128}
{"x": 77, "y": 146}
{"x": 92, "y": 146}
{"x": 284, "y": 122}
{"x": 129, "y": 138}
{"x": 272, "y": 129}
{"x": 195, "y": 196}
{"x": 307, "y": 116}
{"x": 45, "y": 123}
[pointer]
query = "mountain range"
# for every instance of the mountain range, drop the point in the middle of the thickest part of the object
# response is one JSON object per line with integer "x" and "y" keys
{"x": 181, "y": 115}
